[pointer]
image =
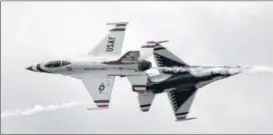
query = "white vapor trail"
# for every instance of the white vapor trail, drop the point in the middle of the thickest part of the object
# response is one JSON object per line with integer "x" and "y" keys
{"x": 249, "y": 69}
{"x": 256, "y": 69}
{"x": 38, "y": 109}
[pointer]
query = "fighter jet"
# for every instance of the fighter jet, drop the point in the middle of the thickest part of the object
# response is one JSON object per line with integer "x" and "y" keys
{"x": 180, "y": 81}
{"x": 102, "y": 64}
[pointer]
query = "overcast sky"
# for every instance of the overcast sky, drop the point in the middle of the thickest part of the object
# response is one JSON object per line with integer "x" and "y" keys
{"x": 201, "y": 33}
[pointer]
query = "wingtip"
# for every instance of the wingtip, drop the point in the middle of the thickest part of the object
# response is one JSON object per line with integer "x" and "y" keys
{"x": 156, "y": 42}
{"x": 117, "y": 23}
{"x": 150, "y": 42}
{"x": 97, "y": 108}
{"x": 185, "y": 119}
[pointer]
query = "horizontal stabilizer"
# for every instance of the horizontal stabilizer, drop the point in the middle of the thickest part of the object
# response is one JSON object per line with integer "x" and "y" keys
{"x": 145, "y": 100}
{"x": 139, "y": 83}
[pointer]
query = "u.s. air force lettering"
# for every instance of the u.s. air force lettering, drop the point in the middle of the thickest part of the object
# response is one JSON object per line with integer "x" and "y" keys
{"x": 110, "y": 44}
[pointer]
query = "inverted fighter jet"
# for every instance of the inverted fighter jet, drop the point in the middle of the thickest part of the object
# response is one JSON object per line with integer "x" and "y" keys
{"x": 102, "y": 64}
{"x": 180, "y": 81}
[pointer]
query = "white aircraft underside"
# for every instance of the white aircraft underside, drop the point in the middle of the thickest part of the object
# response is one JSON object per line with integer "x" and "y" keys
{"x": 102, "y": 64}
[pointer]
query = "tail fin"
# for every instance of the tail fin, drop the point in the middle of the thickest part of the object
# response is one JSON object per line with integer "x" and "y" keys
{"x": 164, "y": 58}
{"x": 129, "y": 57}
{"x": 139, "y": 85}
{"x": 112, "y": 43}
{"x": 147, "y": 50}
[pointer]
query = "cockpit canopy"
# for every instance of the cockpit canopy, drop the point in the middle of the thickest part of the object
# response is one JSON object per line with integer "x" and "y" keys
{"x": 56, "y": 64}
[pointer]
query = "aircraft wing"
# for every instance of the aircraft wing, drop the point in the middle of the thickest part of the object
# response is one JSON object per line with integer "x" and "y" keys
{"x": 100, "y": 89}
{"x": 181, "y": 101}
{"x": 165, "y": 58}
{"x": 112, "y": 43}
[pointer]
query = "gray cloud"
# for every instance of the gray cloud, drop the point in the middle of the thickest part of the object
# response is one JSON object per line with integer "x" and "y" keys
{"x": 201, "y": 33}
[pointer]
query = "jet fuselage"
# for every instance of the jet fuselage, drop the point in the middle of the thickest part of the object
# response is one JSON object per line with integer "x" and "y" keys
{"x": 97, "y": 67}
{"x": 190, "y": 78}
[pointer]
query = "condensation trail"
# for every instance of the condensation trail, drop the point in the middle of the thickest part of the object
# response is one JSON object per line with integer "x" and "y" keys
{"x": 38, "y": 109}
{"x": 249, "y": 69}
{"x": 256, "y": 69}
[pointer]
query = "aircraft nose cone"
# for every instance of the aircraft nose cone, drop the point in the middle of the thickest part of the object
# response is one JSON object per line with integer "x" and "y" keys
{"x": 29, "y": 68}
